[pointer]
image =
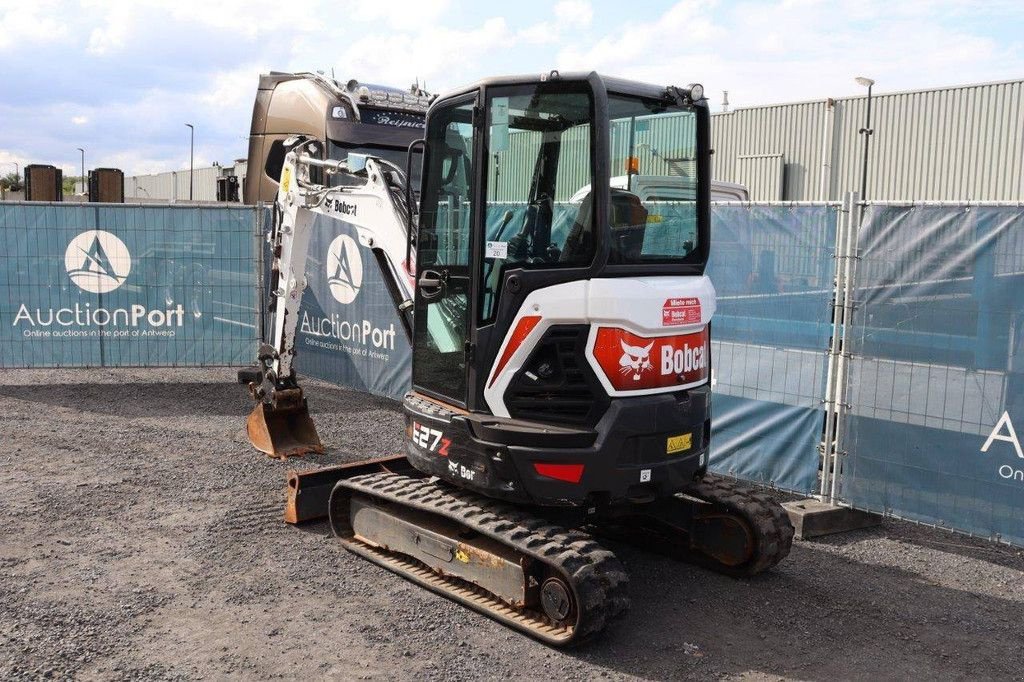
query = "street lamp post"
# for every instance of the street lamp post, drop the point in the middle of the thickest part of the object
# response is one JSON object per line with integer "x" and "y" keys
{"x": 83, "y": 169}
{"x": 191, "y": 158}
{"x": 867, "y": 132}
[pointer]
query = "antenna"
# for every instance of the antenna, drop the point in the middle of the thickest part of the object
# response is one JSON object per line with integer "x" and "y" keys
{"x": 725, "y": 100}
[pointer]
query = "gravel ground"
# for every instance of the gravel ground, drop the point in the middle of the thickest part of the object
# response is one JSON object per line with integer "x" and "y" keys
{"x": 142, "y": 538}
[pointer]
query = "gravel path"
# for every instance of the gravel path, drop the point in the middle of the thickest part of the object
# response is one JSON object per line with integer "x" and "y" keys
{"x": 142, "y": 539}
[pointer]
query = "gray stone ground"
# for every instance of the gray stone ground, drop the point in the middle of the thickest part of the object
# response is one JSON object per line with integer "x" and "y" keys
{"x": 141, "y": 538}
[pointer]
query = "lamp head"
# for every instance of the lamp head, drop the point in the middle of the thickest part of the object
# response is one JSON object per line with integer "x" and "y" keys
{"x": 866, "y": 82}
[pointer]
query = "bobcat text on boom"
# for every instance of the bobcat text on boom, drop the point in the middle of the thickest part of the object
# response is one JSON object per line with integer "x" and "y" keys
{"x": 87, "y": 315}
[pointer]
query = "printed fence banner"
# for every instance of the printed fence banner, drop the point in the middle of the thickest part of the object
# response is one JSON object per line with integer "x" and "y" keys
{"x": 936, "y": 386}
{"x": 105, "y": 285}
{"x": 773, "y": 268}
{"x": 348, "y": 331}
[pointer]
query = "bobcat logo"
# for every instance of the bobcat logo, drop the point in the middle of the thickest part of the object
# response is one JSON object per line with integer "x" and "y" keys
{"x": 97, "y": 261}
{"x": 635, "y": 360}
{"x": 344, "y": 269}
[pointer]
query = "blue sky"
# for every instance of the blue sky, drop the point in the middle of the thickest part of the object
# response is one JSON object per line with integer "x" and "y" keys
{"x": 121, "y": 79}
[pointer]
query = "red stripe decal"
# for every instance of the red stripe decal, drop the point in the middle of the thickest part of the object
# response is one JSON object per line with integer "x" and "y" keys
{"x": 522, "y": 330}
{"x": 571, "y": 473}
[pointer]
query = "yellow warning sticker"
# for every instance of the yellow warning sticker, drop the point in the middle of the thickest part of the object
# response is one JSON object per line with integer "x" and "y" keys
{"x": 679, "y": 443}
{"x": 462, "y": 556}
{"x": 286, "y": 178}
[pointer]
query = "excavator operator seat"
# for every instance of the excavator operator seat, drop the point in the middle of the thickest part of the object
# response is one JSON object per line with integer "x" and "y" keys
{"x": 628, "y": 222}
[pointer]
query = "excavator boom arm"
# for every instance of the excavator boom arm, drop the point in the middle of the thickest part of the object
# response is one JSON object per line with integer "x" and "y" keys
{"x": 280, "y": 424}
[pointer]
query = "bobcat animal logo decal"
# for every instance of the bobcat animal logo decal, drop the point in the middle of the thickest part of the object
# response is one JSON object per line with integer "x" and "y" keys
{"x": 635, "y": 360}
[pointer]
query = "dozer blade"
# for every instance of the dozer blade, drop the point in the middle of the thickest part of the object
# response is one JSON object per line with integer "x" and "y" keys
{"x": 310, "y": 491}
{"x": 283, "y": 432}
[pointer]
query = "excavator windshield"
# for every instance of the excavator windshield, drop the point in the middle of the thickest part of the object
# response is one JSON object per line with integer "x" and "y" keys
{"x": 652, "y": 137}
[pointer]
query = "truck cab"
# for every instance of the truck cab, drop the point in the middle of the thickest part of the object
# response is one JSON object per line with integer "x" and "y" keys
{"x": 380, "y": 121}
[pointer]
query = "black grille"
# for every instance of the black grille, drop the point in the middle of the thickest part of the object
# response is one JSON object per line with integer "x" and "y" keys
{"x": 556, "y": 384}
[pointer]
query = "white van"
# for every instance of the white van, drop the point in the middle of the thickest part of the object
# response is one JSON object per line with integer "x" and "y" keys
{"x": 669, "y": 188}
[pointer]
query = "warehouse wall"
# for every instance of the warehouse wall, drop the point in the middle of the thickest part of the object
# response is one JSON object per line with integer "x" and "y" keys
{"x": 946, "y": 144}
{"x": 173, "y": 185}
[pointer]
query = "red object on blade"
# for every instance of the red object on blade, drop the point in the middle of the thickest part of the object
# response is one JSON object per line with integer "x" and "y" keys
{"x": 571, "y": 473}
{"x": 522, "y": 330}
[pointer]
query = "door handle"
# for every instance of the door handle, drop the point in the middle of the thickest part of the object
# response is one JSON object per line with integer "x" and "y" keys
{"x": 431, "y": 283}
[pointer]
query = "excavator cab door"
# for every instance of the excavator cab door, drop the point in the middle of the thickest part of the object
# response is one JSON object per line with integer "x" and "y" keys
{"x": 443, "y": 259}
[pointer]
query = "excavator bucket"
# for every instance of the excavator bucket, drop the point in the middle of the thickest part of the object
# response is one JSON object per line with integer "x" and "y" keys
{"x": 283, "y": 432}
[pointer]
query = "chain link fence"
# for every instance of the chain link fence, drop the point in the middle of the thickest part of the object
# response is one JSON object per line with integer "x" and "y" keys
{"x": 935, "y": 353}
{"x": 90, "y": 285}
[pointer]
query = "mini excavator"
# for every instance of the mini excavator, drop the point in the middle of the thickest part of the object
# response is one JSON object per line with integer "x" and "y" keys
{"x": 561, "y": 366}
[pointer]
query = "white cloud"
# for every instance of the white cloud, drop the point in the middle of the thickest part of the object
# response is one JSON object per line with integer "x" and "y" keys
{"x": 232, "y": 89}
{"x": 405, "y": 15}
{"x": 30, "y": 23}
{"x": 79, "y": 120}
{"x": 574, "y": 12}
{"x": 118, "y": 22}
{"x": 8, "y": 158}
{"x": 543, "y": 33}
{"x": 792, "y": 50}
{"x": 437, "y": 55}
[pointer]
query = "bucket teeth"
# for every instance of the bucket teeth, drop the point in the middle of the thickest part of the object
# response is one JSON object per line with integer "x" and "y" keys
{"x": 283, "y": 432}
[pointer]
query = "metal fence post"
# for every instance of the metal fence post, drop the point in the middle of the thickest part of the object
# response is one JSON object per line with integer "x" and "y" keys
{"x": 841, "y": 404}
{"x": 835, "y": 347}
{"x": 260, "y": 274}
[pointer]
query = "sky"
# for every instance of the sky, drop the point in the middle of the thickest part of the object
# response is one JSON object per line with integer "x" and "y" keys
{"x": 121, "y": 79}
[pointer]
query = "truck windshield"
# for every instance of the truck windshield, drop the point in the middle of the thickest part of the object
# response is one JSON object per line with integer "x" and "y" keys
{"x": 654, "y": 145}
{"x": 395, "y": 156}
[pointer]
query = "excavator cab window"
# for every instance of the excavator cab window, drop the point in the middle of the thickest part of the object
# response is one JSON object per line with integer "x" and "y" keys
{"x": 538, "y": 148}
{"x": 441, "y": 312}
{"x": 653, "y": 138}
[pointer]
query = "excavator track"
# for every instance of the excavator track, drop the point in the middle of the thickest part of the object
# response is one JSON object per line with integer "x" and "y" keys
{"x": 573, "y": 587}
{"x": 718, "y": 523}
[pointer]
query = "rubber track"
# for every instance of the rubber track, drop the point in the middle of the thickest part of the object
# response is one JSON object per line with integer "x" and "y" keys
{"x": 595, "y": 573}
{"x": 766, "y": 518}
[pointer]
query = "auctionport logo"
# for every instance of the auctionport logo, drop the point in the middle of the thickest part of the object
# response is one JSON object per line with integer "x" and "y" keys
{"x": 344, "y": 269}
{"x": 97, "y": 261}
